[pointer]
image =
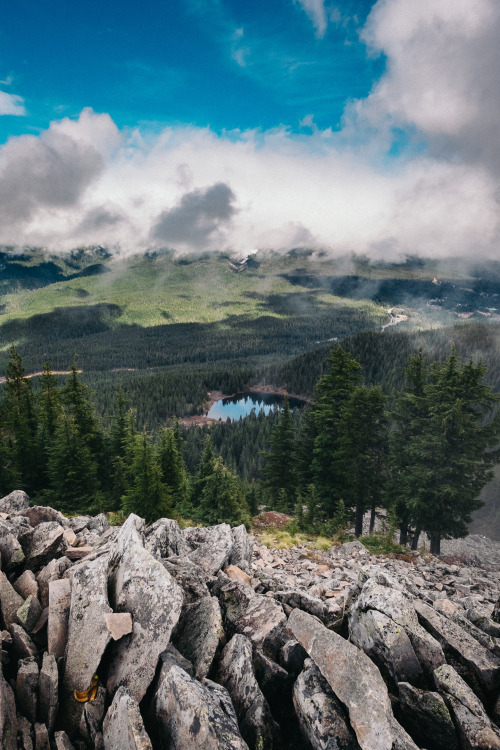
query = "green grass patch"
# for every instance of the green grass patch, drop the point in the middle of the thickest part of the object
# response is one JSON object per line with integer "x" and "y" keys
{"x": 380, "y": 544}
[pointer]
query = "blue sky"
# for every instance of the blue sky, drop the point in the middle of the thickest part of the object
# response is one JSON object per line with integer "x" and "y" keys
{"x": 221, "y": 63}
{"x": 366, "y": 126}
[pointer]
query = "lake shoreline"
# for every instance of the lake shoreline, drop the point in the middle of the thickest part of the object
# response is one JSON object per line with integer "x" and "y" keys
{"x": 257, "y": 390}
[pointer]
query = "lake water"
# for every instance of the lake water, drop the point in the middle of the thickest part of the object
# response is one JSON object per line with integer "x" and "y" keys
{"x": 243, "y": 404}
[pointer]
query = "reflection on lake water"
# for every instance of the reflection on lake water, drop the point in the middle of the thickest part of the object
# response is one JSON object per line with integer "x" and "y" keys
{"x": 243, "y": 404}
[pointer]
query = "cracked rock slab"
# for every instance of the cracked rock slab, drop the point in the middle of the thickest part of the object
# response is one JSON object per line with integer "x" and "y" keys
{"x": 196, "y": 715}
{"x": 321, "y": 717}
{"x": 200, "y": 633}
{"x": 479, "y": 662}
{"x": 236, "y": 674}
{"x": 472, "y": 722}
{"x": 353, "y": 677}
{"x": 123, "y": 727}
{"x": 141, "y": 586}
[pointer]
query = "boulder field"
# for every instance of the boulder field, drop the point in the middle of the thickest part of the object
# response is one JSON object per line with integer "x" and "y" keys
{"x": 136, "y": 637}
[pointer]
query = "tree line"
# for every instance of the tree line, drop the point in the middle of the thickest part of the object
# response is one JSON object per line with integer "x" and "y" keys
{"x": 52, "y": 444}
{"x": 425, "y": 453}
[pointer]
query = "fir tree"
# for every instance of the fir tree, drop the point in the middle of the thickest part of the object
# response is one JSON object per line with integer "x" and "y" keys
{"x": 453, "y": 447}
{"x": 222, "y": 500}
{"x": 333, "y": 390}
{"x": 21, "y": 423}
{"x": 148, "y": 496}
{"x": 72, "y": 469}
{"x": 279, "y": 468}
{"x": 205, "y": 469}
{"x": 173, "y": 467}
{"x": 362, "y": 450}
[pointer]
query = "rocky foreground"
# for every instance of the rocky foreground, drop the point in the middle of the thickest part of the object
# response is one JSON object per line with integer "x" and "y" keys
{"x": 135, "y": 637}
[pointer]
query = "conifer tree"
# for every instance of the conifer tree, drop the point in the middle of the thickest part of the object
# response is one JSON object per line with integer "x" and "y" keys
{"x": 362, "y": 450}
{"x": 21, "y": 422}
{"x": 205, "y": 469}
{"x": 76, "y": 399}
{"x": 48, "y": 416}
{"x": 304, "y": 450}
{"x": 148, "y": 496}
{"x": 333, "y": 390}
{"x": 279, "y": 468}
{"x": 72, "y": 468}
{"x": 123, "y": 442}
{"x": 173, "y": 467}
{"x": 453, "y": 447}
{"x": 222, "y": 500}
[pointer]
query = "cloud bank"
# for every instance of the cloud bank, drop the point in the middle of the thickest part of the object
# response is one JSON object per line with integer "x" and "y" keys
{"x": 414, "y": 170}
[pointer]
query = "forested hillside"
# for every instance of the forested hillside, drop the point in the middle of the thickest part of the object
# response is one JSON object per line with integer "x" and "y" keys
{"x": 168, "y": 330}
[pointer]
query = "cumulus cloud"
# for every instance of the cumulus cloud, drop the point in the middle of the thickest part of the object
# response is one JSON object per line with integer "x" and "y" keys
{"x": 315, "y": 10}
{"x": 11, "y": 104}
{"x": 196, "y": 218}
{"x": 443, "y": 59}
{"x": 84, "y": 181}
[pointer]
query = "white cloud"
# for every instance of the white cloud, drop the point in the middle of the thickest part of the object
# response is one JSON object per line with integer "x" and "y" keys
{"x": 84, "y": 181}
{"x": 443, "y": 59}
{"x": 315, "y": 10}
{"x": 11, "y": 104}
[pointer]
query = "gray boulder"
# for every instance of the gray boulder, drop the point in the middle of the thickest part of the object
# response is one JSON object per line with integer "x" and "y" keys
{"x": 92, "y": 718}
{"x": 17, "y": 500}
{"x": 241, "y": 555}
{"x": 8, "y": 717}
{"x": 11, "y": 551}
{"x": 79, "y": 523}
{"x": 165, "y": 539}
{"x": 10, "y": 601}
{"x": 386, "y": 643}
{"x": 353, "y": 677}
{"x": 26, "y": 584}
{"x": 44, "y": 543}
{"x": 200, "y": 633}
{"x": 427, "y": 718}
{"x": 214, "y": 553}
{"x": 321, "y": 717}
{"x": 22, "y": 644}
{"x": 53, "y": 571}
{"x": 487, "y": 624}
{"x": 58, "y": 617}
{"x": 29, "y": 613}
{"x": 139, "y": 584}
{"x": 27, "y": 688}
{"x": 98, "y": 523}
{"x": 48, "y": 691}
{"x": 62, "y": 741}
{"x": 256, "y": 616}
{"x": 236, "y": 674}
{"x": 88, "y": 635}
{"x": 400, "y": 608}
{"x": 189, "y": 578}
{"x": 196, "y": 715}
{"x": 295, "y": 598}
{"x": 42, "y": 741}
{"x": 38, "y": 514}
{"x": 21, "y": 528}
{"x": 473, "y": 725}
{"x": 123, "y": 726}
{"x": 25, "y": 734}
{"x": 480, "y": 664}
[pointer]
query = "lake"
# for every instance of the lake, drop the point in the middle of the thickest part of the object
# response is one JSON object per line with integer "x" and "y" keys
{"x": 242, "y": 404}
